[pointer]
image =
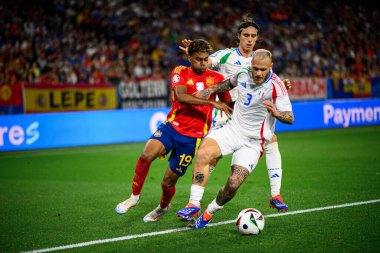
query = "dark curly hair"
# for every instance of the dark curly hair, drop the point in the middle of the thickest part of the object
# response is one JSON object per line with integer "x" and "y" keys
{"x": 199, "y": 45}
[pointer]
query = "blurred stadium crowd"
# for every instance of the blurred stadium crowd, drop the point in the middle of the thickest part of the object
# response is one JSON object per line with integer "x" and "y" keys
{"x": 76, "y": 41}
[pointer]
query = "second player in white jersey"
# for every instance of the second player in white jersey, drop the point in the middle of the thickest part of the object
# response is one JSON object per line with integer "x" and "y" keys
{"x": 228, "y": 61}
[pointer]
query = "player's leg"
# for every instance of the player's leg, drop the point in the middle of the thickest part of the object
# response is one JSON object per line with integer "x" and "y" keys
{"x": 168, "y": 190}
{"x": 208, "y": 152}
{"x": 248, "y": 158}
{"x": 158, "y": 145}
{"x": 274, "y": 167}
{"x": 180, "y": 159}
{"x": 234, "y": 181}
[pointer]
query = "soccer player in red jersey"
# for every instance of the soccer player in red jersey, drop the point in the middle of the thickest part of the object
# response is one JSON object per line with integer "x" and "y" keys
{"x": 187, "y": 122}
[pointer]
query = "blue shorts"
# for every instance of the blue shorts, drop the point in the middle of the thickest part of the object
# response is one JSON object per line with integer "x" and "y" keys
{"x": 183, "y": 148}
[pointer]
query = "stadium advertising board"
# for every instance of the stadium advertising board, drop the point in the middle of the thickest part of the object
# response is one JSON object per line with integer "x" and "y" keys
{"x": 144, "y": 93}
{"x": 354, "y": 87}
{"x": 308, "y": 89}
{"x": 52, "y": 130}
{"x": 333, "y": 114}
{"x": 59, "y": 98}
{"x": 11, "y": 94}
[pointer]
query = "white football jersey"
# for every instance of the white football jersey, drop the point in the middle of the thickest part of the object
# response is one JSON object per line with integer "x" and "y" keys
{"x": 250, "y": 114}
{"x": 227, "y": 62}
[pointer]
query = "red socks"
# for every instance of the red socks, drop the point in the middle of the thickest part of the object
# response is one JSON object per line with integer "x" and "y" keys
{"x": 167, "y": 195}
{"x": 141, "y": 171}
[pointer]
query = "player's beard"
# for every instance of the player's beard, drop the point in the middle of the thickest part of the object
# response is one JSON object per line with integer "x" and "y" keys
{"x": 258, "y": 79}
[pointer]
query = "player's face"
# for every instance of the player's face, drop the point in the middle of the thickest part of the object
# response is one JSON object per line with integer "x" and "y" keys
{"x": 199, "y": 62}
{"x": 260, "y": 69}
{"x": 247, "y": 39}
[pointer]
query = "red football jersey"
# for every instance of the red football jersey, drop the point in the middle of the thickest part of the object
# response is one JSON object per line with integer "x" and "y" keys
{"x": 193, "y": 120}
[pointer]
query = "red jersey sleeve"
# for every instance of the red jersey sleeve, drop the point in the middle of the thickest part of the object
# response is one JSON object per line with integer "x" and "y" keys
{"x": 178, "y": 77}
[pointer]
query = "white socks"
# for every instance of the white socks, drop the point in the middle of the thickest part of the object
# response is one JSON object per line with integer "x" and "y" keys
{"x": 196, "y": 194}
{"x": 213, "y": 207}
{"x": 274, "y": 166}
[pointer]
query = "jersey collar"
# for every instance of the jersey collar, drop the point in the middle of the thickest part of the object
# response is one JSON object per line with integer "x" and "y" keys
{"x": 240, "y": 54}
{"x": 269, "y": 77}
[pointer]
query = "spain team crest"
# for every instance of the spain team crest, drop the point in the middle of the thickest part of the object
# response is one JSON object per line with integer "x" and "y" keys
{"x": 210, "y": 81}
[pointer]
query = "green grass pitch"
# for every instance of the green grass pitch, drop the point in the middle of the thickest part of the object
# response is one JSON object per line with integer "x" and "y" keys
{"x": 58, "y": 197}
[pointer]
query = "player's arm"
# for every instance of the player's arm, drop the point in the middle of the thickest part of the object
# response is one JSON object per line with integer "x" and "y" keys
{"x": 287, "y": 83}
{"x": 180, "y": 93}
{"x": 222, "y": 86}
{"x": 285, "y": 117}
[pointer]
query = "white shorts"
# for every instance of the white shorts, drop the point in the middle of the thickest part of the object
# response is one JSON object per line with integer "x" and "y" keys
{"x": 246, "y": 152}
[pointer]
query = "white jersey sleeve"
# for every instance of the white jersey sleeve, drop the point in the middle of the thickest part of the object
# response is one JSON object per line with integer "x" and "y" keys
{"x": 240, "y": 77}
{"x": 280, "y": 95}
{"x": 220, "y": 57}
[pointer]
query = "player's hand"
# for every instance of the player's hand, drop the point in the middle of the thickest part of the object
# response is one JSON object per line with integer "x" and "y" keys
{"x": 271, "y": 107}
{"x": 287, "y": 83}
{"x": 205, "y": 94}
{"x": 223, "y": 107}
{"x": 185, "y": 43}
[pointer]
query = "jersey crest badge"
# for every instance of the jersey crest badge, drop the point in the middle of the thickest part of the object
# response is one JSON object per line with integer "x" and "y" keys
{"x": 176, "y": 78}
{"x": 210, "y": 81}
{"x": 158, "y": 134}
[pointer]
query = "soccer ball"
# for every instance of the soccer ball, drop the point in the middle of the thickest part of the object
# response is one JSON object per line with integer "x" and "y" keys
{"x": 250, "y": 222}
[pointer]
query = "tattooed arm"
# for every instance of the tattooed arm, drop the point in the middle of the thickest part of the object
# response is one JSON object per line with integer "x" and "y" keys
{"x": 285, "y": 117}
{"x": 220, "y": 87}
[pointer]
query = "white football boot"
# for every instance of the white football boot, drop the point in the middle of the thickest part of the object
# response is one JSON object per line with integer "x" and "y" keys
{"x": 124, "y": 206}
{"x": 157, "y": 213}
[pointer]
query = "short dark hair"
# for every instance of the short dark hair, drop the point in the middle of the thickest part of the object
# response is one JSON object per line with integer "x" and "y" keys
{"x": 199, "y": 45}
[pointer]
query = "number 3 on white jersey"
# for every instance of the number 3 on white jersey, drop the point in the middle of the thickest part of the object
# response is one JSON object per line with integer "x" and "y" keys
{"x": 249, "y": 98}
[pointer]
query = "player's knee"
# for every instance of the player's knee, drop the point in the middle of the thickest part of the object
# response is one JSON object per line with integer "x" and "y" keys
{"x": 274, "y": 139}
{"x": 166, "y": 184}
{"x": 152, "y": 150}
{"x": 147, "y": 157}
{"x": 271, "y": 148}
{"x": 204, "y": 156}
{"x": 232, "y": 187}
{"x": 169, "y": 181}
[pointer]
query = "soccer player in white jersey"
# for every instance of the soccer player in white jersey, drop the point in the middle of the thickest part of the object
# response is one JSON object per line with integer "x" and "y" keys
{"x": 228, "y": 61}
{"x": 260, "y": 92}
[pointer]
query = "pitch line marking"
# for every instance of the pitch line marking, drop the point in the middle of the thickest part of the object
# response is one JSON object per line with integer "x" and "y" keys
{"x": 129, "y": 237}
